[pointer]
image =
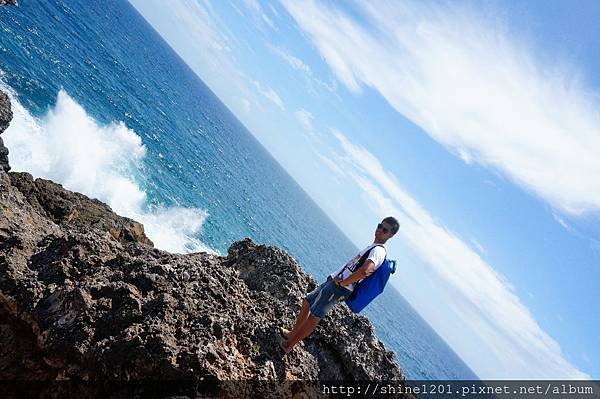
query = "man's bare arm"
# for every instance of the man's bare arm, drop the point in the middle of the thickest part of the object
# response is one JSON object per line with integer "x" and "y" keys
{"x": 365, "y": 270}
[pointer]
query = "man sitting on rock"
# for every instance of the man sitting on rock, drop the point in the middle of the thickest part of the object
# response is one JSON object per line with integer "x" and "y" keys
{"x": 338, "y": 286}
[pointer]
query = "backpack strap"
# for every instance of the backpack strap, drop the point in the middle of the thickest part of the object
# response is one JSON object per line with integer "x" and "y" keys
{"x": 364, "y": 258}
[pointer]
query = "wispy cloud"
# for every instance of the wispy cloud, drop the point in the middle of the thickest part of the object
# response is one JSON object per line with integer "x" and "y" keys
{"x": 246, "y": 104}
{"x": 273, "y": 10}
{"x": 260, "y": 16}
{"x": 562, "y": 222}
{"x": 467, "y": 84}
{"x": 515, "y": 345}
{"x": 305, "y": 118}
{"x": 333, "y": 166}
{"x": 478, "y": 246}
{"x": 270, "y": 94}
{"x": 315, "y": 85}
{"x": 292, "y": 60}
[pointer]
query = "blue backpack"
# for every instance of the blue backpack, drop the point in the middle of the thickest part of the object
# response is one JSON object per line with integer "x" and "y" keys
{"x": 369, "y": 288}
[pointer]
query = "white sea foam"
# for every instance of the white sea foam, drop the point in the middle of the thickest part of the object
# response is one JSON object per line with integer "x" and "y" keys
{"x": 70, "y": 147}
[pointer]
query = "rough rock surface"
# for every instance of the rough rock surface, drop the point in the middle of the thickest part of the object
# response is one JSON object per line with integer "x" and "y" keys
{"x": 5, "y": 118}
{"x": 85, "y": 296}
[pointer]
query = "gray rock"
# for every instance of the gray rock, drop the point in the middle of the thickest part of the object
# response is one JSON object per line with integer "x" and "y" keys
{"x": 69, "y": 208}
{"x": 5, "y": 118}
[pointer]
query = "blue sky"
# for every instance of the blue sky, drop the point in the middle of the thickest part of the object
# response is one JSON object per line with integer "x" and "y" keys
{"x": 477, "y": 124}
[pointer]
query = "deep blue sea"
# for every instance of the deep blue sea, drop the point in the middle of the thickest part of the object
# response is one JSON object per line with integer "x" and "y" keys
{"x": 105, "y": 107}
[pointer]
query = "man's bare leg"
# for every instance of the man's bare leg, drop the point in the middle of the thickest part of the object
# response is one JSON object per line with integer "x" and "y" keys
{"x": 304, "y": 330}
{"x": 302, "y": 316}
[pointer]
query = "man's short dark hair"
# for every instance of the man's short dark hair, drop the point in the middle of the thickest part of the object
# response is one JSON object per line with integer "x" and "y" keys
{"x": 392, "y": 222}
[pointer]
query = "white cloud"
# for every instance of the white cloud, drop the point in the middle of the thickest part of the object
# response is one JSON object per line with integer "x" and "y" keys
{"x": 246, "y": 104}
{"x": 315, "y": 85}
{"x": 269, "y": 22}
{"x": 562, "y": 222}
{"x": 333, "y": 166}
{"x": 513, "y": 344}
{"x": 273, "y": 10}
{"x": 292, "y": 60}
{"x": 253, "y": 5}
{"x": 305, "y": 118}
{"x": 478, "y": 246}
{"x": 464, "y": 82}
{"x": 260, "y": 16}
{"x": 270, "y": 94}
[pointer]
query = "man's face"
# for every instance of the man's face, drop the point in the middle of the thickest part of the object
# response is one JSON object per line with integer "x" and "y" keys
{"x": 383, "y": 231}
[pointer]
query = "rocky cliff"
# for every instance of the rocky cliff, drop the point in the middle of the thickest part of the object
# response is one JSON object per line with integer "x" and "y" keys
{"x": 84, "y": 295}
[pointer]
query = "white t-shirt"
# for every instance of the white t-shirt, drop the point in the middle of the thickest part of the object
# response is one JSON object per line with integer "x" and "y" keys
{"x": 377, "y": 256}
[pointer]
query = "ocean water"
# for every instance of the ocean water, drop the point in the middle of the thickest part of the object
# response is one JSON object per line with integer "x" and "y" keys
{"x": 105, "y": 107}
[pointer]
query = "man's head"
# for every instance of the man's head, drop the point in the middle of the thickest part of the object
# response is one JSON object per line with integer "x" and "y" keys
{"x": 386, "y": 229}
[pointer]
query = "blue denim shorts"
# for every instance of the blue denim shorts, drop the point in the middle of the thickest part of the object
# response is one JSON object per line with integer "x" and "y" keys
{"x": 322, "y": 298}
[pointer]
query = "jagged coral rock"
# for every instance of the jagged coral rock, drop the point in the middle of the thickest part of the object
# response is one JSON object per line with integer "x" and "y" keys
{"x": 5, "y": 118}
{"x": 68, "y": 208}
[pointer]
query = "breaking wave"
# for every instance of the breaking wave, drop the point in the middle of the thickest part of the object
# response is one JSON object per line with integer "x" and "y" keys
{"x": 69, "y": 147}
